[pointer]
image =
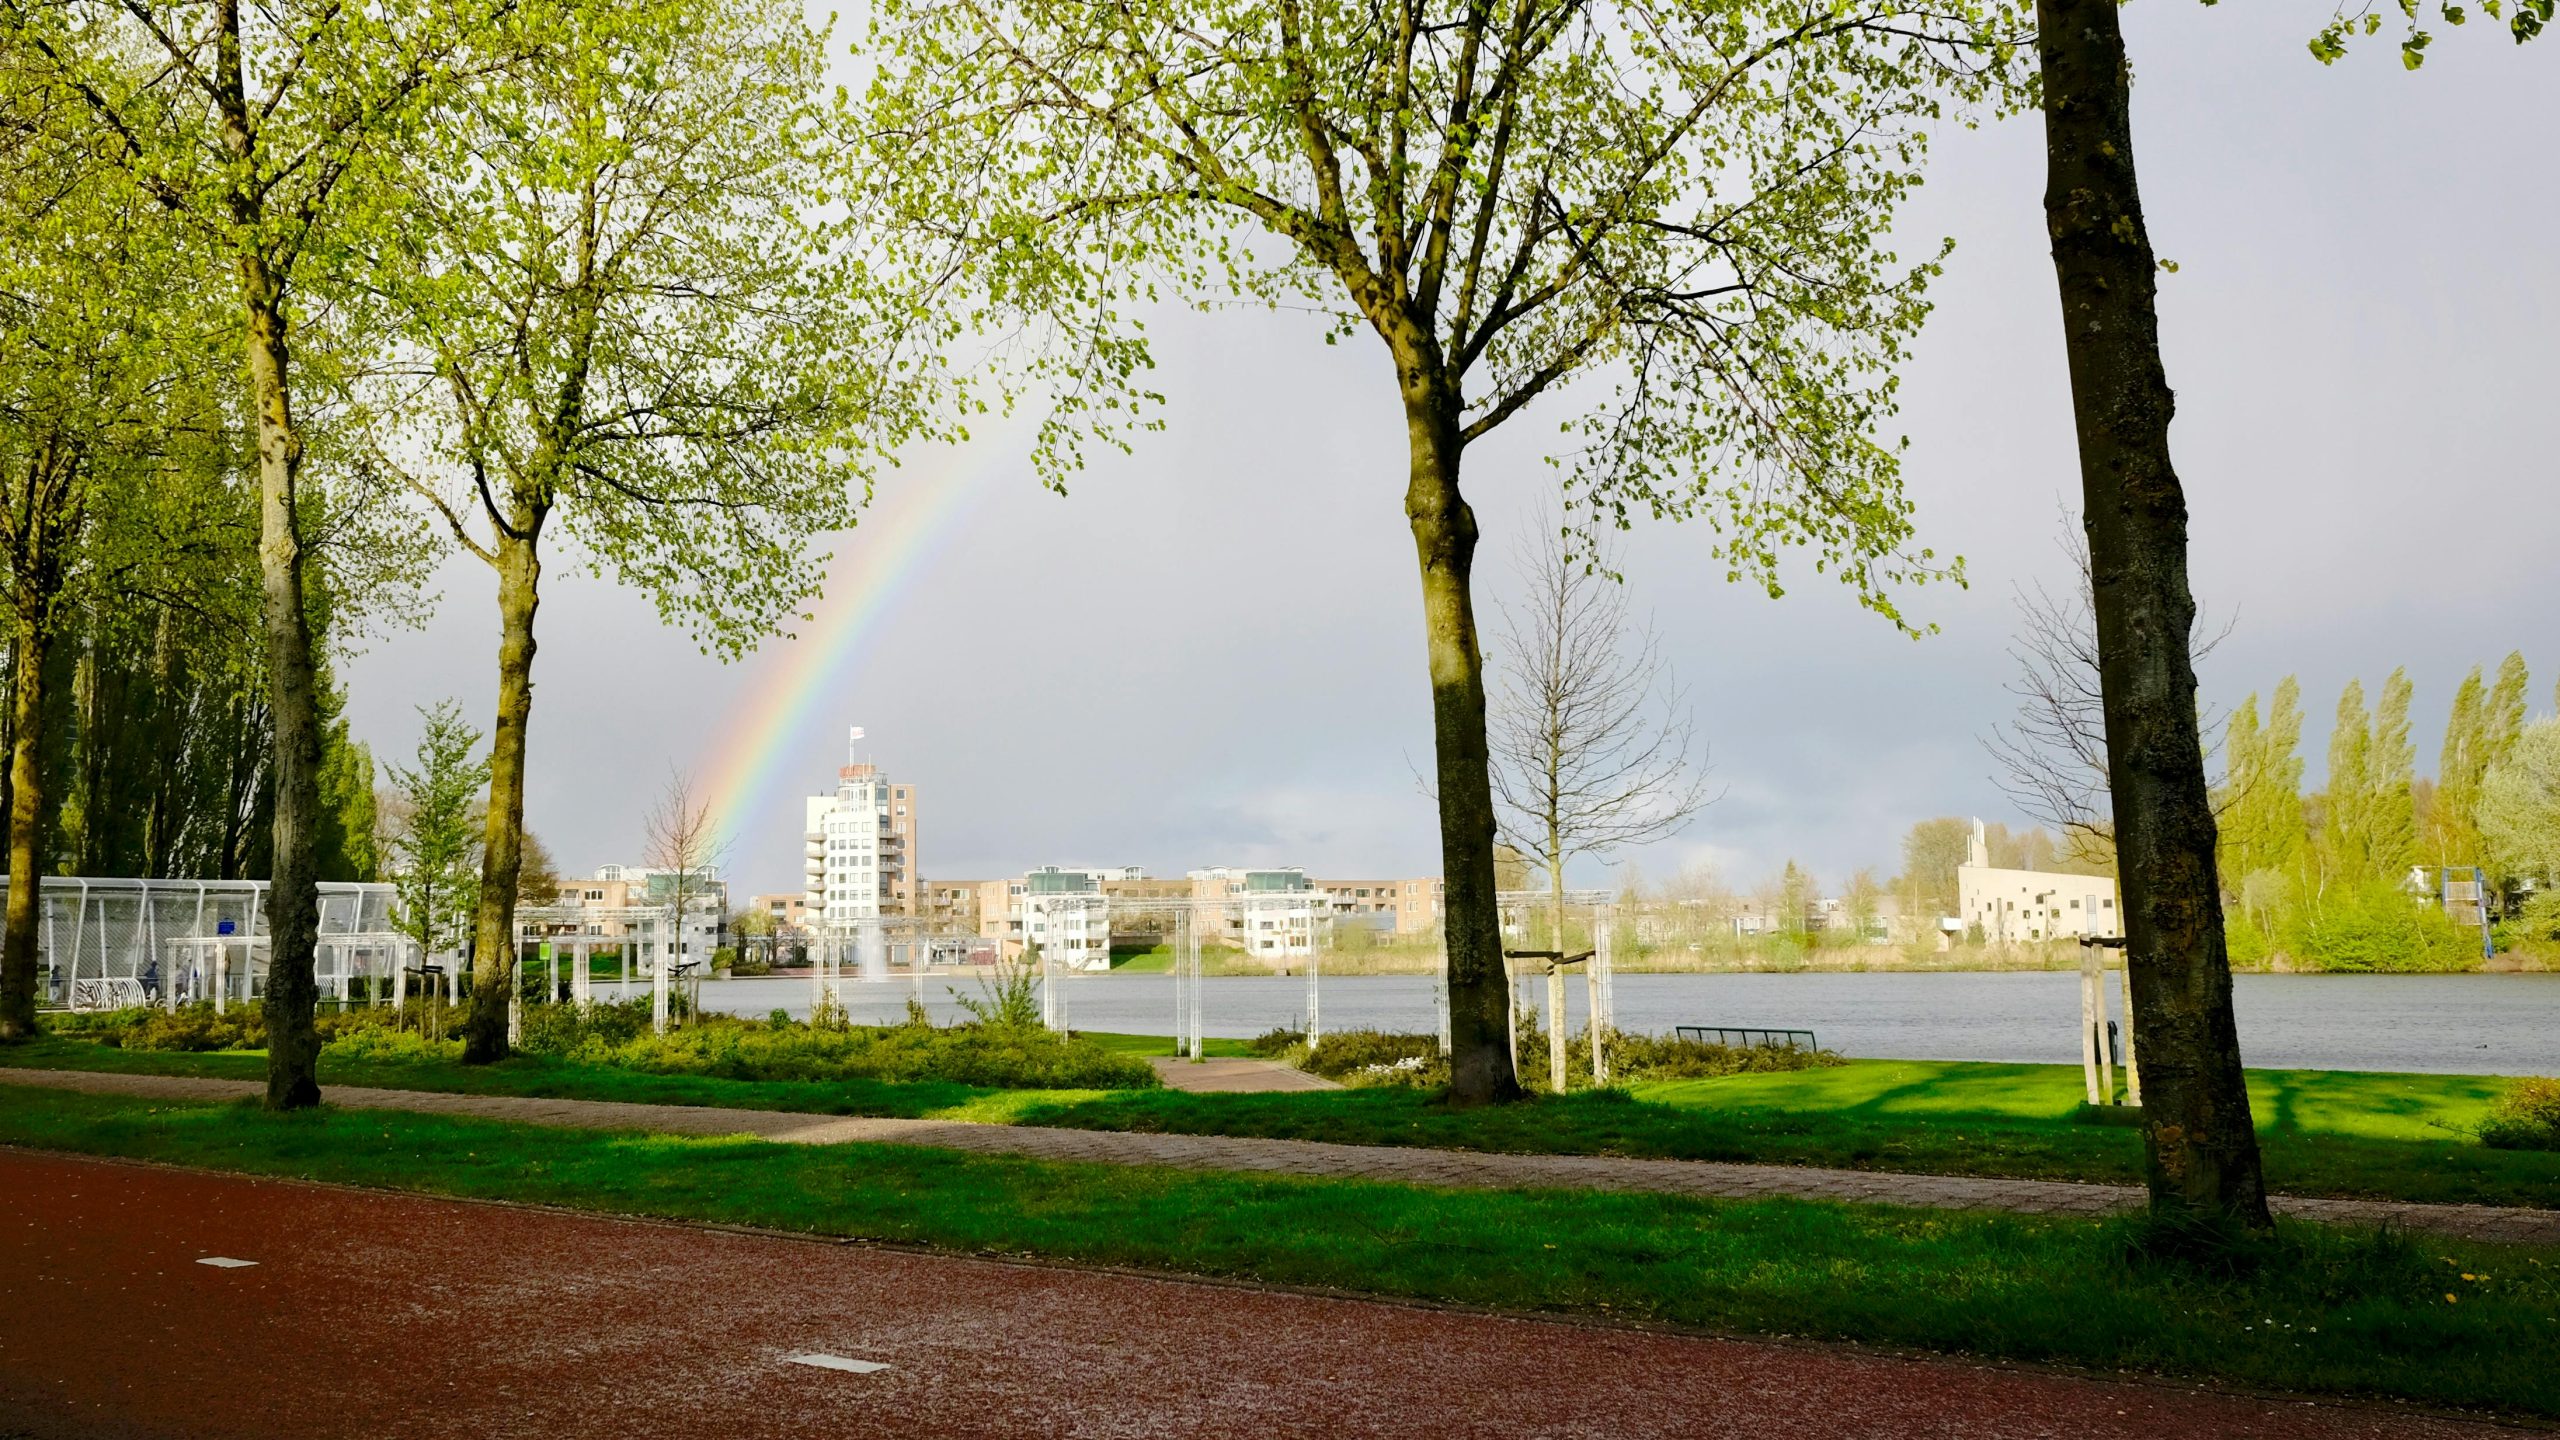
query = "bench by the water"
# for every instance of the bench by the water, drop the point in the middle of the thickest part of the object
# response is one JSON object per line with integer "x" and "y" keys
{"x": 1747, "y": 1036}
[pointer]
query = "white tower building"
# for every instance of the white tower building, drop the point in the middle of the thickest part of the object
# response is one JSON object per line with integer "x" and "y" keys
{"x": 860, "y": 844}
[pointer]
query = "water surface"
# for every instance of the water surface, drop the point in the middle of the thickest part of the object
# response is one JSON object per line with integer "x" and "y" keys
{"x": 2478, "y": 1024}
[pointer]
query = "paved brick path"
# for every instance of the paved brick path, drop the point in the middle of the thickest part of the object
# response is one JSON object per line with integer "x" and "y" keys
{"x": 1454, "y": 1168}
{"x": 1234, "y": 1076}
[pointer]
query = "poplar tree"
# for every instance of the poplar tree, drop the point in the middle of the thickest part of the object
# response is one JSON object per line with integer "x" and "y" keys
{"x": 2502, "y": 714}
{"x": 2453, "y": 833}
{"x": 2346, "y": 808}
{"x": 1668, "y": 220}
{"x": 2393, "y": 819}
{"x": 621, "y": 330}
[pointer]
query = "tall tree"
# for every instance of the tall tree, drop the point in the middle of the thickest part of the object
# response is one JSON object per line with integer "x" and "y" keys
{"x": 265, "y": 128}
{"x": 1683, "y": 206}
{"x": 2261, "y": 806}
{"x": 2346, "y": 804}
{"x": 2200, "y": 1147}
{"x": 623, "y": 329}
{"x": 66, "y": 327}
{"x": 2393, "y": 846}
{"x": 2453, "y": 821}
{"x": 1591, "y": 737}
{"x": 1931, "y": 852}
{"x": 2520, "y": 804}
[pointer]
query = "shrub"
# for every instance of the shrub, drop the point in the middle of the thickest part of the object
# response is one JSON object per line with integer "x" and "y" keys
{"x": 997, "y": 1056}
{"x": 2378, "y": 929}
{"x": 396, "y": 1047}
{"x": 1369, "y": 1057}
{"x": 561, "y": 1029}
{"x": 242, "y": 1027}
{"x": 1008, "y": 999}
{"x": 2527, "y": 1117}
{"x": 1361, "y": 1057}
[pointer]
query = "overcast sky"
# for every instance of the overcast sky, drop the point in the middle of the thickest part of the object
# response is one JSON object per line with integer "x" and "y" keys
{"x": 1211, "y": 651}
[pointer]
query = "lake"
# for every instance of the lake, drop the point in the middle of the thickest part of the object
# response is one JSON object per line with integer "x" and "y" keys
{"x": 2477, "y": 1024}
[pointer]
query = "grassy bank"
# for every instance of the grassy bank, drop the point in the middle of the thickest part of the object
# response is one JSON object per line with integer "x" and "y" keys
{"x": 2324, "y": 1132}
{"x": 2329, "y": 1312}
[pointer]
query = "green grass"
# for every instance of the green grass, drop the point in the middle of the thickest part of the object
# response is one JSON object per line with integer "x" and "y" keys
{"x": 1158, "y": 960}
{"x": 1211, "y": 1047}
{"x": 2326, "y": 1311}
{"x": 2322, "y": 1132}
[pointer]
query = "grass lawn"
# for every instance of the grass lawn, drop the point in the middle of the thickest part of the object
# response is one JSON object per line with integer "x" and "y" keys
{"x": 2323, "y": 1132}
{"x": 2442, "y": 1322}
{"x": 1211, "y": 1047}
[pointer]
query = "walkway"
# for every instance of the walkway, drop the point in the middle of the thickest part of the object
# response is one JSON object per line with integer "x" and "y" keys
{"x": 399, "y": 1316}
{"x": 1234, "y": 1076}
{"x": 1455, "y": 1168}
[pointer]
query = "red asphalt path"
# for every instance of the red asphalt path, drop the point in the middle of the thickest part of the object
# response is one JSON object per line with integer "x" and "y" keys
{"x": 390, "y": 1315}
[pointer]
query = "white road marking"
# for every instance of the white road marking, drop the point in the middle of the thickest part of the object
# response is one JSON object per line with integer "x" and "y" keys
{"x": 846, "y": 1363}
{"x": 225, "y": 1262}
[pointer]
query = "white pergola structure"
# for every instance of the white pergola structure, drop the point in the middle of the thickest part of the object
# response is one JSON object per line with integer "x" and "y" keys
{"x": 1186, "y": 924}
{"x": 1527, "y": 913}
{"x": 646, "y": 936}
{"x": 108, "y": 943}
{"x": 876, "y": 947}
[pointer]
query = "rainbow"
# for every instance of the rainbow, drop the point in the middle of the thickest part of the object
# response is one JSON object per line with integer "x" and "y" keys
{"x": 746, "y": 763}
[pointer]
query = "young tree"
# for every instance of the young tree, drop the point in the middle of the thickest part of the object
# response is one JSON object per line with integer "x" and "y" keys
{"x": 2053, "y": 753}
{"x": 1797, "y": 895}
{"x": 1590, "y": 735}
{"x": 683, "y": 839}
{"x": 263, "y": 129}
{"x": 1681, "y": 206}
{"x": 436, "y": 848}
{"x": 623, "y": 330}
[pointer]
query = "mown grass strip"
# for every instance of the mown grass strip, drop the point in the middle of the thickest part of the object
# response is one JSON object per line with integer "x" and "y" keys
{"x": 2441, "y": 1322}
{"x": 2395, "y": 1137}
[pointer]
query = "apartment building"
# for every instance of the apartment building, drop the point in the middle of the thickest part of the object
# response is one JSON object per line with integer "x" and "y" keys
{"x": 861, "y": 844}
{"x": 614, "y": 889}
{"x": 789, "y": 913}
{"x": 1270, "y": 914}
{"x": 1063, "y": 909}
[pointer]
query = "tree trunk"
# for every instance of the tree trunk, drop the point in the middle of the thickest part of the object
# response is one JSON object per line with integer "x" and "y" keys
{"x": 2201, "y": 1148}
{"x": 26, "y": 833}
{"x": 1481, "y": 1066}
{"x": 293, "y": 896}
{"x": 493, "y": 963}
{"x": 165, "y": 742}
{"x": 1556, "y": 1035}
{"x": 41, "y": 531}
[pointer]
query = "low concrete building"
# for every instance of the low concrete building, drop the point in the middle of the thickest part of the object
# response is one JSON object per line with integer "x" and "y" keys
{"x": 2015, "y": 906}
